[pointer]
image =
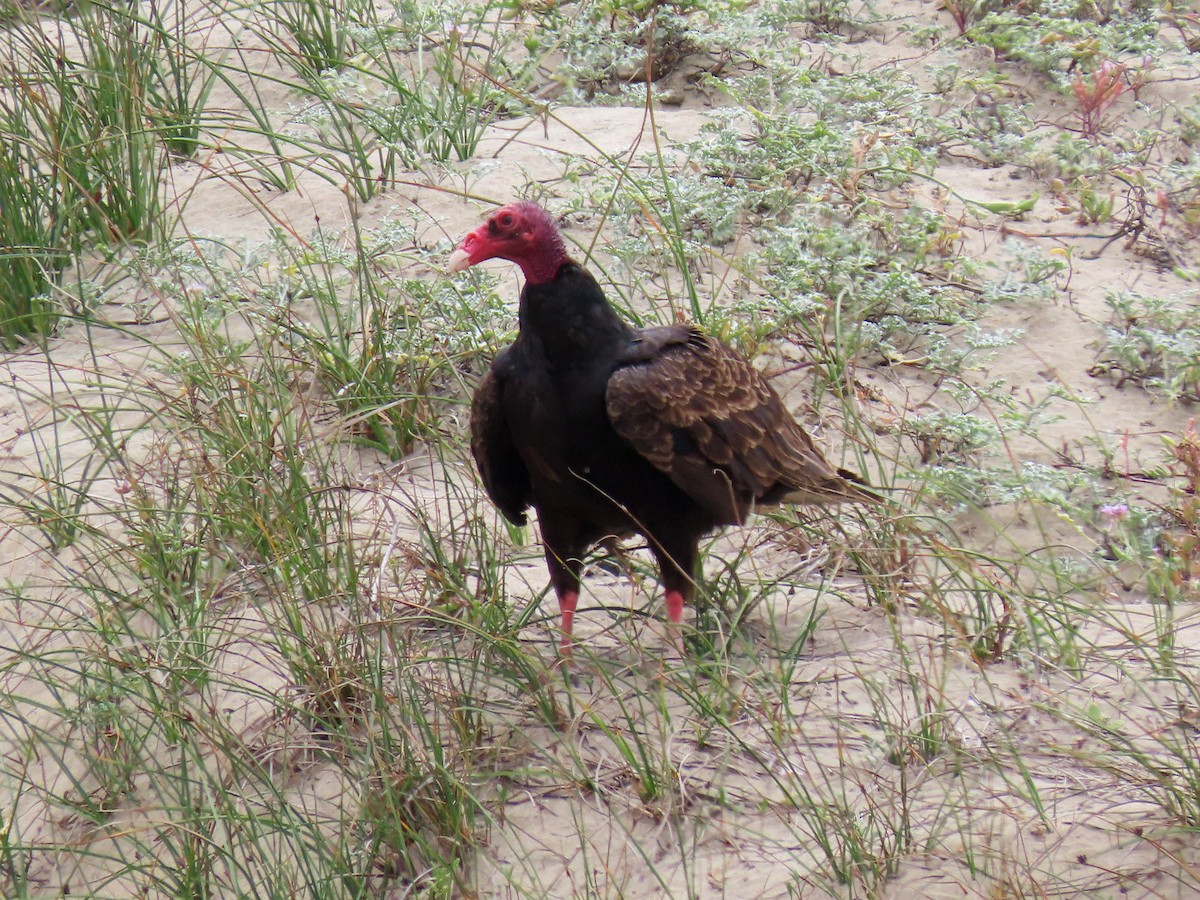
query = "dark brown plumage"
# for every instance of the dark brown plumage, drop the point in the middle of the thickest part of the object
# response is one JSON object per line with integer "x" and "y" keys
{"x": 606, "y": 430}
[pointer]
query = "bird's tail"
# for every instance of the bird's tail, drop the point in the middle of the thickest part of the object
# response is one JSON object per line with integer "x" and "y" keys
{"x": 846, "y": 487}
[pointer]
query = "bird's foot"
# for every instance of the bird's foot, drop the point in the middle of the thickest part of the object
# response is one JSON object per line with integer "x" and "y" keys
{"x": 567, "y": 601}
{"x": 674, "y": 601}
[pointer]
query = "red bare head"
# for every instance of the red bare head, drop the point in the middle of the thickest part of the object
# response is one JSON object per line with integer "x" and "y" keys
{"x": 521, "y": 232}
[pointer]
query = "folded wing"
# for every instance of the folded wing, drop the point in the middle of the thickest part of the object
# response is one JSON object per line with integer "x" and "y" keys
{"x": 501, "y": 468}
{"x": 705, "y": 417}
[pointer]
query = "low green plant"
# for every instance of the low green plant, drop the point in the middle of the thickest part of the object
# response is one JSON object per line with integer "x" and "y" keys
{"x": 15, "y": 858}
{"x": 607, "y": 46}
{"x": 1060, "y": 36}
{"x": 1162, "y": 543}
{"x": 1094, "y": 206}
{"x": 941, "y": 435}
{"x": 84, "y": 111}
{"x": 981, "y": 113}
{"x": 1152, "y": 341}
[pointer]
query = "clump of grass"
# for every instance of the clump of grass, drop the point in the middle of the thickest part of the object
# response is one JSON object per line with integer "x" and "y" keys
{"x": 184, "y": 66}
{"x": 318, "y": 37}
{"x": 35, "y": 242}
{"x": 234, "y": 507}
{"x": 404, "y": 98}
{"x": 87, "y": 110}
{"x": 88, "y": 114}
{"x": 387, "y": 350}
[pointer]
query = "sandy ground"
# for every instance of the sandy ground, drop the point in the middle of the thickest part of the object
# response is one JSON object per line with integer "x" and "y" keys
{"x": 724, "y": 826}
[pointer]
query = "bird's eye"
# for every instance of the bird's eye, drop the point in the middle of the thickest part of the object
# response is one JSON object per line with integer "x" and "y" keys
{"x": 506, "y": 220}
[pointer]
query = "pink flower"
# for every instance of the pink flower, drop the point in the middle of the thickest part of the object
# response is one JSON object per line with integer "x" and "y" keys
{"x": 1113, "y": 513}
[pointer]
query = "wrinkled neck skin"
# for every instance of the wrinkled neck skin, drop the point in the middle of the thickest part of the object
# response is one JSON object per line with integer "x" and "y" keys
{"x": 569, "y": 319}
{"x": 544, "y": 267}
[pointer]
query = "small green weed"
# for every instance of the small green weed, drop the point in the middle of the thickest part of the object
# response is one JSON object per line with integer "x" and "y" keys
{"x": 1154, "y": 342}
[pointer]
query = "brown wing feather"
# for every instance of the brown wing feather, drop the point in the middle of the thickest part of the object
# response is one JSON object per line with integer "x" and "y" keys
{"x": 504, "y": 475}
{"x": 708, "y": 419}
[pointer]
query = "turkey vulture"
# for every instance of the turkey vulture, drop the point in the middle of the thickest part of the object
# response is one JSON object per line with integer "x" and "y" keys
{"x": 608, "y": 430}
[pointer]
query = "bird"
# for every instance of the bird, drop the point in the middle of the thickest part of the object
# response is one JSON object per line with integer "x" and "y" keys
{"x": 607, "y": 430}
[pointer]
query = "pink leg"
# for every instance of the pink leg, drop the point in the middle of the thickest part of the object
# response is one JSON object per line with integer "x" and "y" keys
{"x": 675, "y": 616}
{"x": 566, "y": 605}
